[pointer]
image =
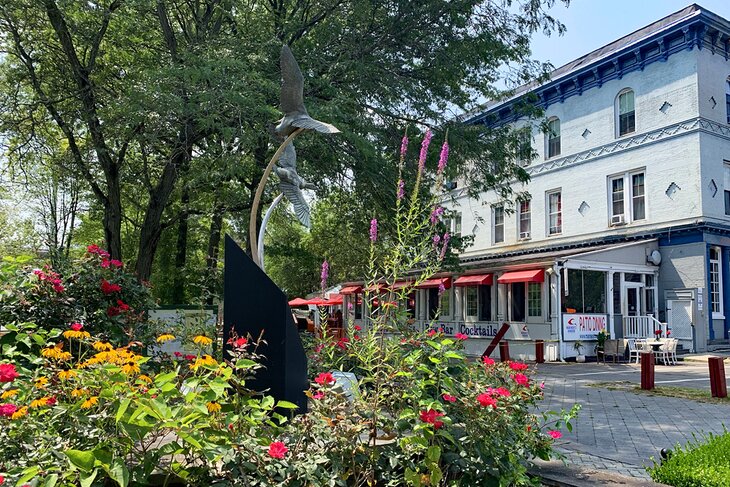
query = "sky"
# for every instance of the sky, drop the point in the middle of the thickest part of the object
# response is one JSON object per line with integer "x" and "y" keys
{"x": 591, "y": 24}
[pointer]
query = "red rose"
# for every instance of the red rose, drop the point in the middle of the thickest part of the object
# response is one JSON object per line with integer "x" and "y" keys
{"x": 449, "y": 398}
{"x": 324, "y": 378}
{"x": 461, "y": 336}
{"x": 518, "y": 366}
{"x": 342, "y": 343}
{"x": 105, "y": 264}
{"x": 190, "y": 357}
{"x": 122, "y": 305}
{"x": 485, "y": 399}
{"x": 177, "y": 354}
{"x": 278, "y": 450}
{"x": 109, "y": 288}
{"x": 488, "y": 361}
{"x": 358, "y": 328}
{"x": 93, "y": 249}
{"x": 657, "y": 332}
{"x": 431, "y": 332}
{"x": 555, "y": 434}
{"x": 112, "y": 311}
{"x": 51, "y": 401}
{"x": 76, "y": 326}
{"x": 318, "y": 395}
{"x": 116, "y": 263}
{"x": 8, "y": 373}
{"x": 2, "y": 480}
{"x": 240, "y": 342}
{"x": 431, "y": 417}
{"x": 521, "y": 379}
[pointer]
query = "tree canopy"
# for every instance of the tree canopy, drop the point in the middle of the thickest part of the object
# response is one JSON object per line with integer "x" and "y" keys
{"x": 162, "y": 110}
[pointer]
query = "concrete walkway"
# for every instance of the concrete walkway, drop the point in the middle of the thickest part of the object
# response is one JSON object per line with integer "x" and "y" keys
{"x": 619, "y": 430}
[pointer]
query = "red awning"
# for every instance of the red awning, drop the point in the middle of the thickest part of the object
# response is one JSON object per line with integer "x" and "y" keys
{"x": 474, "y": 280}
{"x": 335, "y": 299}
{"x": 401, "y": 285}
{"x": 534, "y": 275}
{"x": 376, "y": 288}
{"x": 432, "y": 283}
{"x": 298, "y": 302}
{"x": 351, "y": 290}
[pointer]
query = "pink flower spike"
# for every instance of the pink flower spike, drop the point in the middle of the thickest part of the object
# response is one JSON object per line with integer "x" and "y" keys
{"x": 555, "y": 434}
{"x": 325, "y": 273}
{"x": 403, "y": 147}
{"x": 424, "y": 151}
{"x": 444, "y": 157}
{"x": 401, "y": 189}
{"x": 373, "y": 230}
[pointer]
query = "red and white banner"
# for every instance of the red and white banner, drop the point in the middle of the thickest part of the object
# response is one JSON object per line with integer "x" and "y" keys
{"x": 583, "y": 326}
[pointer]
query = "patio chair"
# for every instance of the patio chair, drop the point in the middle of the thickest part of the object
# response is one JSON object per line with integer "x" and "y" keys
{"x": 673, "y": 350}
{"x": 611, "y": 349}
{"x": 663, "y": 352}
{"x": 636, "y": 346}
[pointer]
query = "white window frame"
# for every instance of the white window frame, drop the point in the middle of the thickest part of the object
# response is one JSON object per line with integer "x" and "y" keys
{"x": 617, "y": 113}
{"x": 548, "y": 213}
{"x": 467, "y": 316}
{"x": 449, "y": 296}
{"x": 720, "y": 313}
{"x": 539, "y": 285}
{"x": 627, "y": 179}
{"x": 520, "y": 215}
{"x": 495, "y": 209}
{"x": 558, "y": 136}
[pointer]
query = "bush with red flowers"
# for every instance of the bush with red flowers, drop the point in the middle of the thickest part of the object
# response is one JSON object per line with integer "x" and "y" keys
{"x": 94, "y": 290}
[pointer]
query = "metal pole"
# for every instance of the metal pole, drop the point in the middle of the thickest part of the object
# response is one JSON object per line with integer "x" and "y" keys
{"x": 262, "y": 232}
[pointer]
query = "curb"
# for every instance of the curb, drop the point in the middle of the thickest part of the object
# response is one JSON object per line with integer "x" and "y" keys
{"x": 555, "y": 473}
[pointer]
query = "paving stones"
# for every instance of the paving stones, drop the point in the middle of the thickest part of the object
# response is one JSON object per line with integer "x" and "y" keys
{"x": 620, "y": 431}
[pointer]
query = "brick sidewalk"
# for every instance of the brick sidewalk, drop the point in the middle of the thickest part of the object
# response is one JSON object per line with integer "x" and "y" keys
{"x": 621, "y": 430}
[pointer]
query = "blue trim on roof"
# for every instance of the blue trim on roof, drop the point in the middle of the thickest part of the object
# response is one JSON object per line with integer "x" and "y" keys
{"x": 700, "y": 31}
{"x": 681, "y": 239}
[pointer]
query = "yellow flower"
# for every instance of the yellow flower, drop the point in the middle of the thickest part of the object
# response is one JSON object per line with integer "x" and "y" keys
{"x": 213, "y": 407}
{"x": 37, "y": 403}
{"x": 56, "y": 353}
{"x": 202, "y": 340}
{"x": 77, "y": 334}
{"x": 19, "y": 413}
{"x": 103, "y": 346}
{"x": 9, "y": 393}
{"x": 144, "y": 378}
{"x": 79, "y": 392}
{"x": 130, "y": 367}
{"x": 67, "y": 374}
{"x": 41, "y": 382}
{"x": 165, "y": 337}
{"x": 90, "y": 402}
{"x": 204, "y": 360}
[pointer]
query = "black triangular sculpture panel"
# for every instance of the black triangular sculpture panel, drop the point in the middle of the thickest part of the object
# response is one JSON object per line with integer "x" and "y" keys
{"x": 252, "y": 303}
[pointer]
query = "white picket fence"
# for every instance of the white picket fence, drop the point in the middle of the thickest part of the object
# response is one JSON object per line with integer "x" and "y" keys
{"x": 642, "y": 326}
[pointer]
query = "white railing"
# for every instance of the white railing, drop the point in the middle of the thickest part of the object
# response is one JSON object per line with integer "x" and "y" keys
{"x": 642, "y": 326}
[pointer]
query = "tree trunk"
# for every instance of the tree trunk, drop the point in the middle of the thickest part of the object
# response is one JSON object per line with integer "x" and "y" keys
{"x": 181, "y": 250}
{"x": 211, "y": 261}
{"x": 113, "y": 216}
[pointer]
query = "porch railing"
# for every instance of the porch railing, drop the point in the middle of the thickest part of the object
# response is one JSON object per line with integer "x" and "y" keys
{"x": 642, "y": 326}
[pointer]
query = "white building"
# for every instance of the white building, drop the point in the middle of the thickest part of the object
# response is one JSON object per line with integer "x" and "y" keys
{"x": 627, "y": 226}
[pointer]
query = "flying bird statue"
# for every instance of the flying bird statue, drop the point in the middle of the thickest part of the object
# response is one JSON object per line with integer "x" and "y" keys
{"x": 291, "y": 184}
{"x": 292, "y": 99}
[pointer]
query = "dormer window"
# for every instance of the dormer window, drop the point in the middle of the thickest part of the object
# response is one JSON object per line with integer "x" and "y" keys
{"x": 553, "y": 138}
{"x": 626, "y": 112}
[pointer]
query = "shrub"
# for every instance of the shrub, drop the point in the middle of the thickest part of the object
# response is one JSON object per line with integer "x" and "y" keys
{"x": 94, "y": 290}
{"x": 703, "y": 463}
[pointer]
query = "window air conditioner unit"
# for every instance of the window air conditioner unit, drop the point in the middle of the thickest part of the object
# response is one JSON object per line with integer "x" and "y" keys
{"x": 450, "y": 185}
{"x": 617, "y": 220}
{"x": 524, "y": 235}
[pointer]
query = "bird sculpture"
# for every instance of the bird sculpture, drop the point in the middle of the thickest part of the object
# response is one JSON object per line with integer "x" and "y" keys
{"x": 292, "y": 100}
{"x": 291, "y": 184}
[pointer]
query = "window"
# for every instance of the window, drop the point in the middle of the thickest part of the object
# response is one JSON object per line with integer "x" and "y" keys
{"x": 439, "y": 305}
{"x": 445, "y": 303}
{"x": 471, "y": 298}
{"x": 485, "y": 303}
{"x": 553, "y": 138}
{"x": 727, "y": 98}
{"x": 716, "y": 282}
{"x": 649, "y": 293}
{"x": 726, "y": 184}
{"x": 517, "y": 298}
{"x": 524, "y": 148}
{"x": 727, "y": 202}
{"x": 555, "y": 213}
{"x": 626, "y": 113}
{"x": 627, "y": 189}
{"x": 498, "y": 224}
{"x": 524, "y": 216}
{"x": 617, "y": 198}
{"x": 457, "y": 225}
{"x": 534, "y": 299}
{"x": 358, "y": 306}
{"x": 585, "y": 291}
{"x": 411, "y": 304}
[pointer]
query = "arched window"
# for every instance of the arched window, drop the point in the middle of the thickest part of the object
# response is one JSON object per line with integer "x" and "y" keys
{"x": 626, "y": 114}
{"x": 727, "y": 98}
{"x": 553, "y": 137}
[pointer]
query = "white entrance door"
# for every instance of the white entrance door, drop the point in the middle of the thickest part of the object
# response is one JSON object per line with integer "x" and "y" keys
{"x": 632, "y": 305}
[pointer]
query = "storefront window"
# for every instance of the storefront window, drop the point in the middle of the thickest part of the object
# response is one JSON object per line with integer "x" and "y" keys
{"x": 411, "y": 304}
{"x": 649, "y": 291}
{"x": 445, "y": 303}
{"x": 585, "y": 292}
{"x": 358, "y": 306}
{"x": 485, "y": 303}
{"x": 471, "y": 298}
{"x": 534, "y": 299}
{"x": 518, "y": 301}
